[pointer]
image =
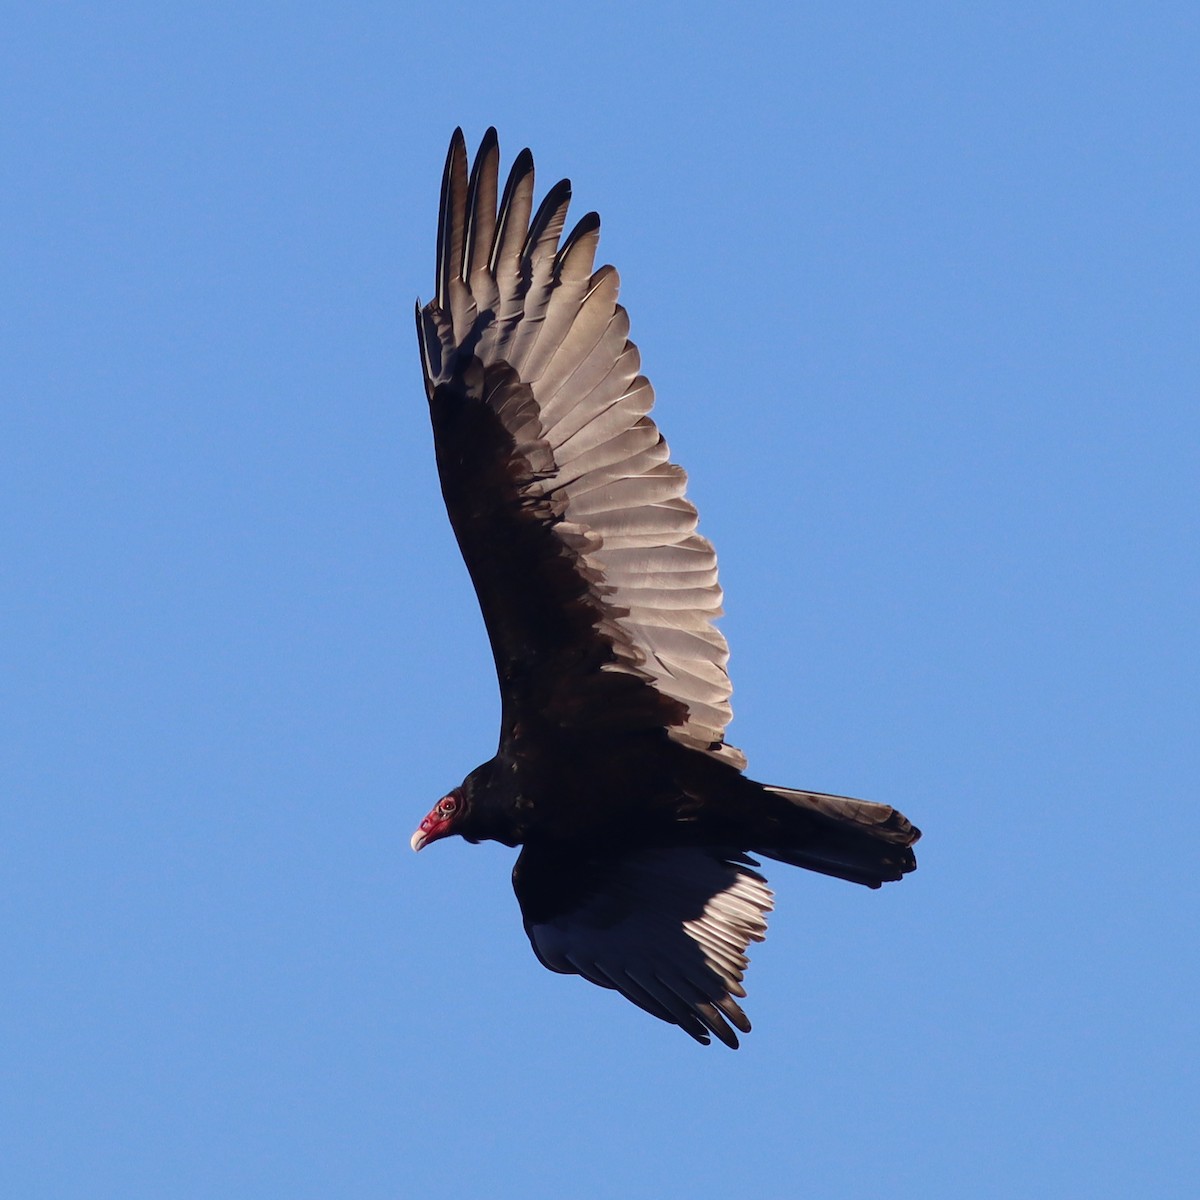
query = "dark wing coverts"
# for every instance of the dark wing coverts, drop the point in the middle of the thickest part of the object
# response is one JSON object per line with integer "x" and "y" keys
{"x": 598, "y": 594}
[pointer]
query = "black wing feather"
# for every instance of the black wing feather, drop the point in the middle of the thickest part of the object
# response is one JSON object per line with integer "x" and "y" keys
{"x": 543, "y": 442}
{"x": 666, "y": 927}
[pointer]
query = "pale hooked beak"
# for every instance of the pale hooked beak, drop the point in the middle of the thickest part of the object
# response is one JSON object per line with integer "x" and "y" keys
{"x": 439, "y": 820}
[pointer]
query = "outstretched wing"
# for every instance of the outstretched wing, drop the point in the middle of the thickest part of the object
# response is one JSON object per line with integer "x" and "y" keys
{"x": 667, "y": 928}
{"x": 598, "y": 594}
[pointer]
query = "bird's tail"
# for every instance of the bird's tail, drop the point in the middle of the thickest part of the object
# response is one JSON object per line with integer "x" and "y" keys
{"x": 856, "y": 840}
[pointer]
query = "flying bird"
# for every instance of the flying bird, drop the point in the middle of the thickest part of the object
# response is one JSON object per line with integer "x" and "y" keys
{"x": 636, "y": 822}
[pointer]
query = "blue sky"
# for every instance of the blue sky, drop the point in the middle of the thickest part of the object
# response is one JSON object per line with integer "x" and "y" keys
{"x": 918, "y": 290}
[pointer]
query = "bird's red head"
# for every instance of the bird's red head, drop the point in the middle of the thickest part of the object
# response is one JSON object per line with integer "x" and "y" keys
{"x": 440, "y": 821}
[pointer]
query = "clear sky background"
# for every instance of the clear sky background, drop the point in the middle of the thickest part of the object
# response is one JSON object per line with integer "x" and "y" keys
{"x": 918, "y": 289}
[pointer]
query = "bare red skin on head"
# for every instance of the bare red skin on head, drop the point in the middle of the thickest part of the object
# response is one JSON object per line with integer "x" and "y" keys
{"x": 439, "y": 822}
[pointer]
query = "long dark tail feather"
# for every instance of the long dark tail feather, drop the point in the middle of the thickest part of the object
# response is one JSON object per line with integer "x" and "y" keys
{"x": 855, "y": 840}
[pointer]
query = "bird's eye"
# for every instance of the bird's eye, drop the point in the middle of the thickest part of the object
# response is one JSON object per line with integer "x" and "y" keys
{"x": 448, "y": 806}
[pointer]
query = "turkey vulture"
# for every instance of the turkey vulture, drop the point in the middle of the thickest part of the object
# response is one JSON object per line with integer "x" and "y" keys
{"x": 613, "y": 774}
